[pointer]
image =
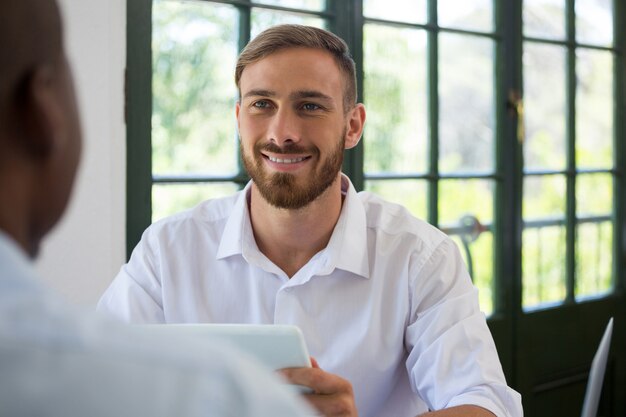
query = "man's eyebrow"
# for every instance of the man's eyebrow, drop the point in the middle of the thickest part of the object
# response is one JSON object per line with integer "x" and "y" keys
{"x": 259, "y": 93}
{"x": 310, "y": 94}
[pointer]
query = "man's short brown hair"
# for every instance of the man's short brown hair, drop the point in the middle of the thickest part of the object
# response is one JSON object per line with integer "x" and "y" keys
{"x": 281, "y": 37}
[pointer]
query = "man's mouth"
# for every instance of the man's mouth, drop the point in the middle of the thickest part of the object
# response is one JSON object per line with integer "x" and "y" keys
{"x": 287, "y": 160}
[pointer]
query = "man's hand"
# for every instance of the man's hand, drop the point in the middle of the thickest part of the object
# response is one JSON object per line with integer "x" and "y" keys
{"x": 332, "y": 395}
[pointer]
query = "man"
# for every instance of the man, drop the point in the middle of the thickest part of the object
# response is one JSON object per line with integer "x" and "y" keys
{"x": 383, "y": 299}
{"x": 55, "y": 361}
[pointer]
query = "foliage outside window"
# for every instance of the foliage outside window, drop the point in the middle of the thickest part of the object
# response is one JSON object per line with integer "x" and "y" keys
{"x": 431, "y": 85}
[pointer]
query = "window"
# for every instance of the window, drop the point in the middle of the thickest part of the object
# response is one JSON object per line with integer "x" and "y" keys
{"x": 430, "y": 76}
{"x": 569, "y": 168}
{"x": 500, "y": 122}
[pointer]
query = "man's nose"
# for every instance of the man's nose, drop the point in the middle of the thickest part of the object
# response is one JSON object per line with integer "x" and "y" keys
{"x": 284, "y": 128}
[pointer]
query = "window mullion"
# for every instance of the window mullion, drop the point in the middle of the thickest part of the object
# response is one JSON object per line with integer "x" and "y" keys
{"x": 433, "y": 114}
{"x": 619, "y": 184}
{"x": 347, "y": 23}
{"x": 243, "y": 39}
{"x": 138, "y": 113}
{"x": 570, "y": 256}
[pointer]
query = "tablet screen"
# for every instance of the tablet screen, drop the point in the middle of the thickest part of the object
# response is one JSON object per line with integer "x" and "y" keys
{"x": 277, "y": 346}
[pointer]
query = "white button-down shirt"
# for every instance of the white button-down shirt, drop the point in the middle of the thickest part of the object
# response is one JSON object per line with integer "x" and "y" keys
{"x": 388, "y": 304}
{"x": 59, "y": 362}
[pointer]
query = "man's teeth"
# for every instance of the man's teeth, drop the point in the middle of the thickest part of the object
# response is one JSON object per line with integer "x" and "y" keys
{"x": 286, "y": 161}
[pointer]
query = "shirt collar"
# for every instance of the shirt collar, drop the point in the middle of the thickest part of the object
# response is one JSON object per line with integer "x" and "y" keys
{"x": 238, "y": 230}
{"x": 346, "y": 249}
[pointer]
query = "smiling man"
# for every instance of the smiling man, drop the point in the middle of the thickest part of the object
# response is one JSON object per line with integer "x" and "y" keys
{"x": 383, "y": 299}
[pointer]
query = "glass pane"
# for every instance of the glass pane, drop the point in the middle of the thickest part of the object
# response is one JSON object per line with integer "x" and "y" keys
{"x": 544, "y": 18}
{"x": 466, "y": 100}
{"x": 194, "y": 50}
{"x": 481, "y": 268}
{"x": 544, "y": 197}
{"x": 263, "y": 19}
{"x": 398, "y": 10}
{"x": 396, "y": 132}
{"x": 543, "y": 240}
{"x": 543, "y": 265}
{"x": 469, "y": 14}
{"x": 594, "y": 22}
{"x": 460, "y": 198}
{"x": 594, "y": 195}
{"x": 412, "y": 194}
{"x": 594, "y": 108}
{"x": 316, "y": 5}
{"x": 545, "y": 106}
{"x": 594, "y": 239}
{"x": 168, "y": 199}
{"x": 594, "y": 258}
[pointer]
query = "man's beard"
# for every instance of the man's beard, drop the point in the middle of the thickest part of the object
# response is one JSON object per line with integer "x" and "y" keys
{"x": 280, "y": 189}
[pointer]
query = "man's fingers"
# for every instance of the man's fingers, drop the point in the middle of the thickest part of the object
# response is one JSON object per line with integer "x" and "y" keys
{"x": 321, "y": 382}
{"x": 332, "y": 405}
{"x": 314, "y": 363}
{"x": 332, "y": 395}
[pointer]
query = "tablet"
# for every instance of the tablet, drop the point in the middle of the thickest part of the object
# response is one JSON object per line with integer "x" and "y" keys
{"x": 277, "y": 346}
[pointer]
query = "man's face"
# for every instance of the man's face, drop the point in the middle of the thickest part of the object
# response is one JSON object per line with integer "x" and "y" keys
{"x": 292, "y": 125}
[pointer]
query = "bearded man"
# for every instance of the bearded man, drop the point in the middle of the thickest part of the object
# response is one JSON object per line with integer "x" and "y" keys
{"x": 383, "y": 299}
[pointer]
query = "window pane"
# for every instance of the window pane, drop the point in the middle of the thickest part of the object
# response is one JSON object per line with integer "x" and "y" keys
{"x": 545, "y": 109}
{"x": 396, "y": 134}
{"x": 263, "y": 19}
{"x": 594, "y": 22}
{"x": 412, "y": 194}
{"x": 316, "y": 5}
{"x": 594, "y": 194}
{"x": 544, "y": 18}
{"x": 194, "y": 50}
{"x": 594, "y": 258}
{"x": 594, "y": 108}
{"x": 543, "y": 240}
{"x": 168, "y": 199}
{"x": 398, "y": 10}
{"x": 459, "y": 198}
{"x": 543, "y": 265}
{"x": 469, "y": 14}
{"x": 466, "y": 100}
{"x": 544, "y": 197}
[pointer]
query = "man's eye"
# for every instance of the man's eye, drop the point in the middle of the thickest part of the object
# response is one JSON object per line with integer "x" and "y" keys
{"x": 311, "y": 106}
{"x": 261, "y": 104}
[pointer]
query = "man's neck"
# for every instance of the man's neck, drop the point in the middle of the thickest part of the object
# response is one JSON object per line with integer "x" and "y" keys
{"x": 290, "y": 238}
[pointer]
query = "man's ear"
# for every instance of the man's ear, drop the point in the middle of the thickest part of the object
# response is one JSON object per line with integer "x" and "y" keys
{"x": 237, "y": 109}
{"x": 355, "y": 122}
{"x": 40, "y": 115}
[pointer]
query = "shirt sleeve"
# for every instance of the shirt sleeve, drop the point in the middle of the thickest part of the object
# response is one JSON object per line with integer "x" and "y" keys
{"x": 135, "y": 295}
{"x": 452, "y": 357}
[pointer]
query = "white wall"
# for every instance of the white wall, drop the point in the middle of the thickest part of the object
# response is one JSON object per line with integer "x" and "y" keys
{"x": 86, "y": 249}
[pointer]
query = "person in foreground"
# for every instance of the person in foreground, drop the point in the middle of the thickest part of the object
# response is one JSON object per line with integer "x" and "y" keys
{"x": 55, "y": 361}
{"x": 383, "y": 299}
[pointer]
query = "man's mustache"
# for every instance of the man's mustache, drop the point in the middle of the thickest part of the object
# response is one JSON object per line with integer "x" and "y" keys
{"x": 290, "y": 148}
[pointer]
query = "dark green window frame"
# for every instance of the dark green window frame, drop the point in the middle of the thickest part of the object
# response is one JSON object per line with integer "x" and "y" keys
{"x": 346, "y": 18}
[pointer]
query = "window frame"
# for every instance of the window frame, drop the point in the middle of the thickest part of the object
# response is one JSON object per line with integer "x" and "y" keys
{"x": 347, "y": 20}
